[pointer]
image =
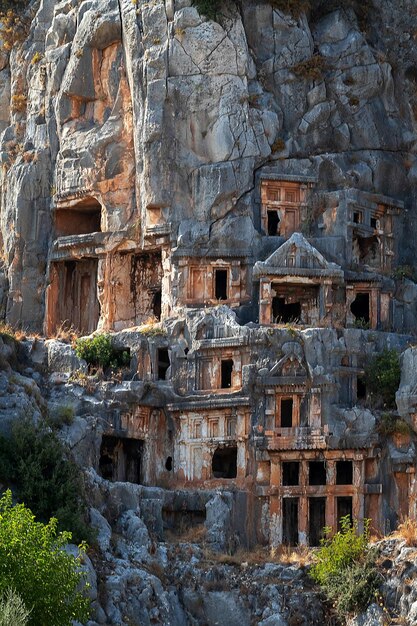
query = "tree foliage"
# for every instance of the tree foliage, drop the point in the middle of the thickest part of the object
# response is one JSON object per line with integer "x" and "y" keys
{"x": 46, "y": 479}
{"x": 99, "y": 351}
{"x": 383, "y": 375}
{"x": 345, "y": 568}
{"x": 33, "y": 562}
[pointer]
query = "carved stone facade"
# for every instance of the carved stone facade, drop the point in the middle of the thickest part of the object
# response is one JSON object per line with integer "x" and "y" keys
{"x": 253, "y": 380}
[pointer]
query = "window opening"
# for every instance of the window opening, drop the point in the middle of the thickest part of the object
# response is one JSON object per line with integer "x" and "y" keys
{"x": 357, "y": 217}
{"x": 373, "y": 222}
{"x": 344, "y": 472}
{"x": 168, "y": 464}
{"x": 360, "y": 307}
{"x": 226, "y": 373}
{"x": 224, "y": 463}
{"x": 273, "y": 223}
{"x": 286, "y": 412}
{"x": 220, "y": 278}
{"x": 316, "y": 473}
{"x": 290, "y": 473}
{"x": 156, "y": 304}
{"x": 163, "y": 363}
{"x": 360, "y": 388}
{"x": 284, "y": 313}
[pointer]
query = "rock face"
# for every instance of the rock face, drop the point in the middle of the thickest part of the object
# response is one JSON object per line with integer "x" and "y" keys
{"x": 233, "y": 201}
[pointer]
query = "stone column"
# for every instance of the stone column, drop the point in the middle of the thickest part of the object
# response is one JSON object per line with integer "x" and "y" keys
{"x": 358, "y": 500}
{"x": 331, "y": 513}
{"x": 265, "y": 301}
{"x": 303, "y": 505}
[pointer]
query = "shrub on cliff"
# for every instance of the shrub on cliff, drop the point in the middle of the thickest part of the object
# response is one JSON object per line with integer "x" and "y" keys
{"x": 209, "y": 8}
{"x": 382, "y": 375}
{"x": 33, "y": 562}
{"x": 98, "y": 351}
{"x": 345, "y": 568}
{"x": 46, "y": 479}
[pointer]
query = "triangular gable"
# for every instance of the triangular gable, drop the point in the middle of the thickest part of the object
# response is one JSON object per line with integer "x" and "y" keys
{"x": 297, "y": 255}
{"x": 288, "y": 366}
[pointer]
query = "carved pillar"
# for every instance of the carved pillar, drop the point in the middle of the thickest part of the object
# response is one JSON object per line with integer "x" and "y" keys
{"x": 331, "y": 513}
{"x": 275, "y": 505}
{"x": 303, "y": 505}
{"x": 265, "y": 301}
{"x": 358, "y": 500}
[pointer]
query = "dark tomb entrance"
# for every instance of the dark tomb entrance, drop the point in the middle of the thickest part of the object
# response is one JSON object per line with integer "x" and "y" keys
{"x": 273, "y": 223}
{"x": 220, "y": 284}
{"x": 360, "y": 307}
{"x": 290, "y": 521}
{"x": 121, "y": 459}
{"x": 317, "y": 520}
{"x": 224, "y": 463}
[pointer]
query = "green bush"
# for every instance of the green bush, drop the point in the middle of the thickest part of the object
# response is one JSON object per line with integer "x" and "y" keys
{"x": 33, "y": 562}
{"x": 404, "y": 271}
{"x": 209, "y": 8}
{"x": 46, "y": 479}
{"x": 345, "y": 568}
{"x": 12, "y": 609}
{"x": 382, "y": 377}
{"x": 61, "y": 416}
{"x": 338, "y": 552}
{"x": 98, "y": 351}
{"x": 390, "y": 424}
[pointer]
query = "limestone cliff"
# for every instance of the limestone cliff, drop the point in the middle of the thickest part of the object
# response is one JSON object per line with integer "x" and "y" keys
{"x": 232, "y": 200}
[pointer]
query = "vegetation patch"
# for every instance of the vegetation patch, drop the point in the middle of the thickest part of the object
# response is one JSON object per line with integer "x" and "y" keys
{"x": 14, "y": 24}
{"x": 345, "y": 568}
{"x": 46, "y": 479}
{"x": 404, "y": 271}
{"x": 208, "y": 8}
{"x": 382, "y": 377}
{"x": 311, "y": 69}
{"x": 12, "y": 609}
{"x": 390, "y": 424}
{"x": 34, "y": 563}
{"x": 99, "y": 351}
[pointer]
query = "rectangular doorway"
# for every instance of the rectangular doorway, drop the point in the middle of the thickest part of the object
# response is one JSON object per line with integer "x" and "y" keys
{"x": 317, "y": 520}
{"x": 290, "y": 521}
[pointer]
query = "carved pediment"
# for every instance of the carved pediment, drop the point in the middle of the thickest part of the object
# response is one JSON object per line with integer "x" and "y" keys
{"x": 297, "y": 256}
{"x": 289, "y": 366}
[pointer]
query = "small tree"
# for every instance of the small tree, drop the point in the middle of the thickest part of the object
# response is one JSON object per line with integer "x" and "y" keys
{"x": 37, "y": 463}
{"x": 383, "y": 375}
{"x": 33, "y": 562}
{"x": 345, "y": 568}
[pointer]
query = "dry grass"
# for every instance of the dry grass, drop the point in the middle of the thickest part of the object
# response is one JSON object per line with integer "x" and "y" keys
{"x": 65, "y": 333}
{"x": 300, "y": 555}
{"x": 259, "y": 555}
{"x": 7, "y": 329}
{"x": 152, "y": 326}
{"x": 407, "y": 530}
{"x": 312, "y": 68}
{"x": 193, "y": 534}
